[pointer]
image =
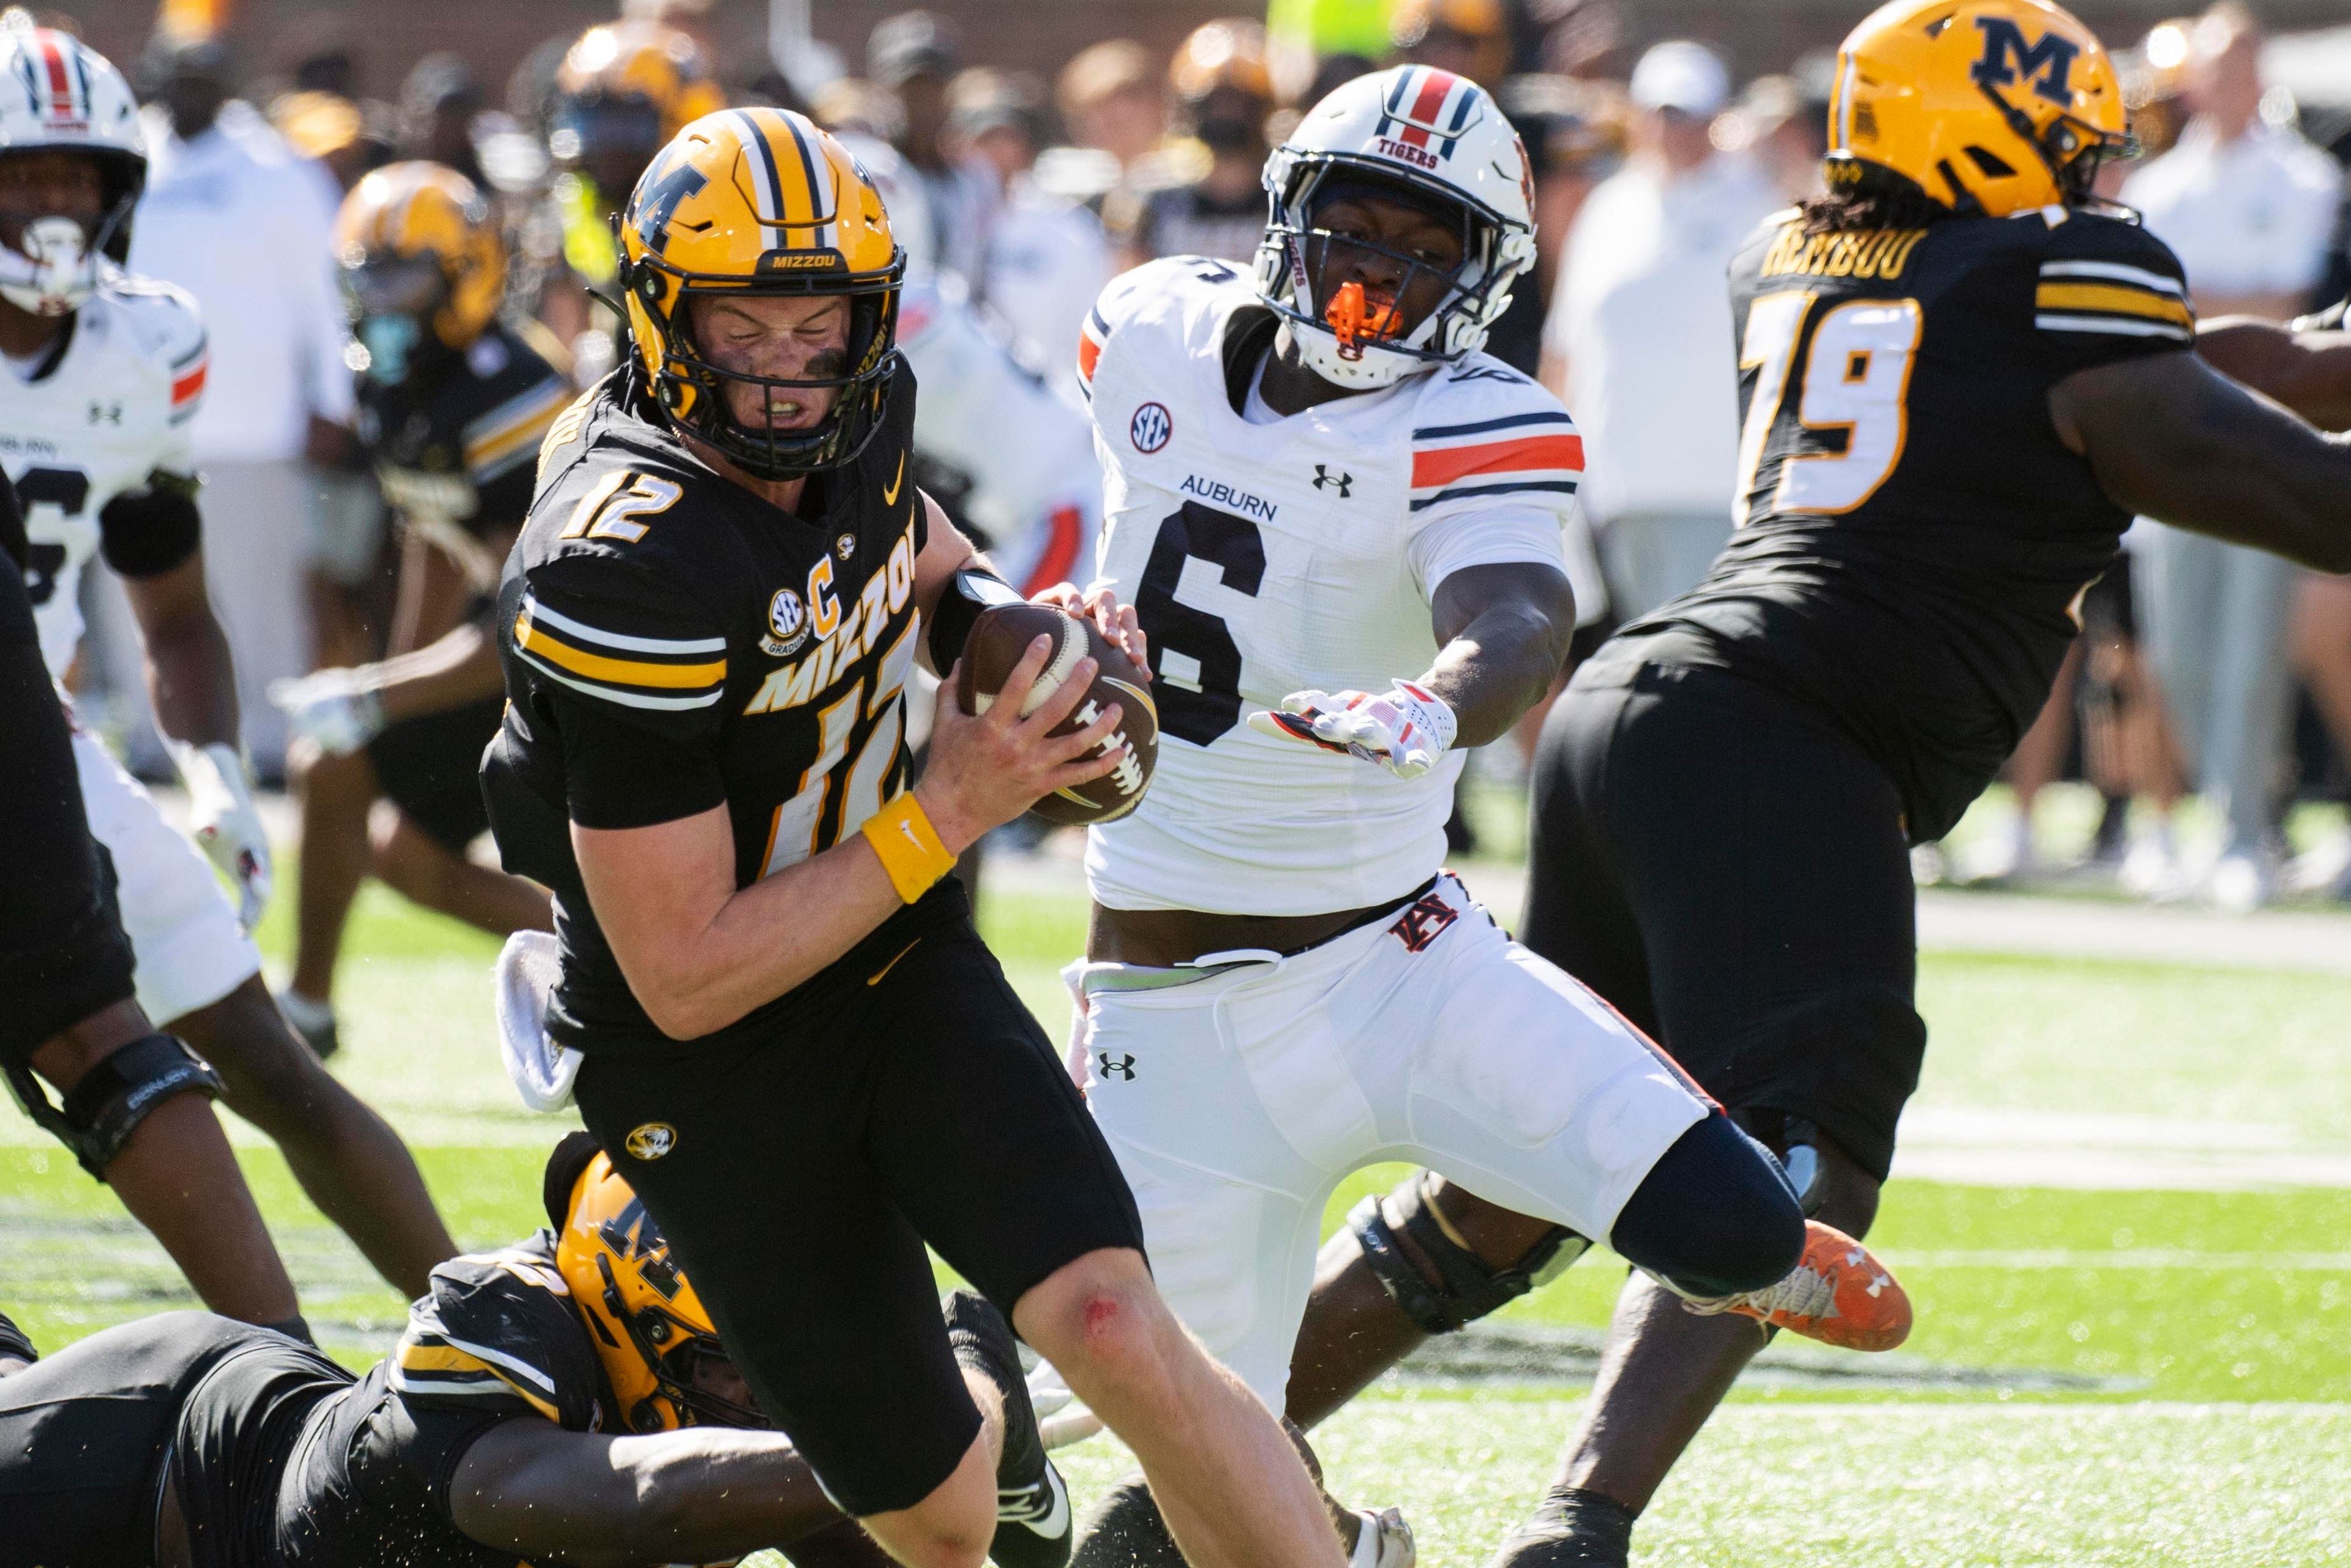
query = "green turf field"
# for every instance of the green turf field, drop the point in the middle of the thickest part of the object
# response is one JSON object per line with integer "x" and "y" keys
{"x": 2103, "y": 1372}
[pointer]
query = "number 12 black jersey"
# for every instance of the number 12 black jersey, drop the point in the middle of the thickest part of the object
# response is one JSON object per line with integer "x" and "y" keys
{"x": 674, "y": 643}
{"x": 1913, "y": 536}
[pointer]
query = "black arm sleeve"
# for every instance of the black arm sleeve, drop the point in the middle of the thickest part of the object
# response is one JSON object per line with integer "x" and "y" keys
{"x": 145, "y": 533}
{"x": 967, "y": 593}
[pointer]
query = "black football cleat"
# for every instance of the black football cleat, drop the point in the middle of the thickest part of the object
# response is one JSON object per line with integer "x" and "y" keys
{"x": 1034, "y": 1525}
{"x": 1570, "y": 1528}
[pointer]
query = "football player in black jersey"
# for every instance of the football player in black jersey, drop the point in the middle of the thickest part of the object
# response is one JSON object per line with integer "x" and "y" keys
{"x": 794, "y": 1042}
{"x": 1960, "y": 376}
{"x": 453, "y": 403}
{"x": 563, "y": 1398}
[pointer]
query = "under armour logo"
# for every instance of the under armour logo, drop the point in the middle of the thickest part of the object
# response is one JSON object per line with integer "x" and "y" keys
{"x": 1109, "y": 1066}
{"x": 1324, "y": 478}
{"x": 105, "y": 412}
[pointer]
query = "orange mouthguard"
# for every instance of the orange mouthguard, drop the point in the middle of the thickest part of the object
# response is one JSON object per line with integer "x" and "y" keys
{"x": 1357, "y": 319}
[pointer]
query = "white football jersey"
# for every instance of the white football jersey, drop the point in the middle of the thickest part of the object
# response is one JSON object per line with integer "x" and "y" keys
{"x": 1268, "y": 559}
{"x": 107, "y": 412}
{"x": 1029, "y": 455}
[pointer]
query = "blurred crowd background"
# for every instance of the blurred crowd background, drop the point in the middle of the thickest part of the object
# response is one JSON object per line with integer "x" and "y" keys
{"x": 1029, "y": 149}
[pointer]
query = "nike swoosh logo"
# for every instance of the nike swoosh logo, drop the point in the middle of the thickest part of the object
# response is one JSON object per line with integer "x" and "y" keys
{"x": 894, "y": 962}
{"x": 890, "y": 495}
{"x": 912, "y": 837}
{"x": 1021, "y": 1506}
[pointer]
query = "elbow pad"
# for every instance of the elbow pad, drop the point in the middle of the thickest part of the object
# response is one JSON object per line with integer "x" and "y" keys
{"x": 969, "y": 593}
{"x": 145, "y": 533}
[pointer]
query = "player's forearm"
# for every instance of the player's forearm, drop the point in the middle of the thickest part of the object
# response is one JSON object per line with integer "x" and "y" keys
{"x": 698, "y": 953}
{"x": 1500, "y": 666}
{"x": 192, "y": 681}
{"x": 460, "y": 668}
{"x": 724, "y": 1495}
{"x": 701, "y": 1495}
{"x": 2310, "y": 372}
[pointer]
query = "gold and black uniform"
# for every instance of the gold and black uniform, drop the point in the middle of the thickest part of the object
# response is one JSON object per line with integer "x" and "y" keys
{"x": 1731, "y": 786}
{"x": 452, "y": 446}
{"x": 674, "y": 644}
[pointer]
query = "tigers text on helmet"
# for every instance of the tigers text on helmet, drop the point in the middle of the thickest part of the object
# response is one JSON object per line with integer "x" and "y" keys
{"x": 58, "y": 95}
{"x": 1443, "y": 141}
{"x": 647, "y": 1323}
{"x": 1987, "y": 106}
{"x": 760, "y": 202}
{"x": 419, "y": 253}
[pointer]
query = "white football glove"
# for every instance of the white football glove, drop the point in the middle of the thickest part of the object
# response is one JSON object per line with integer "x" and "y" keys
{"x": 223, "y": 822}
{"x": 336, "y": 710}
{"x": 1405, "y": 729}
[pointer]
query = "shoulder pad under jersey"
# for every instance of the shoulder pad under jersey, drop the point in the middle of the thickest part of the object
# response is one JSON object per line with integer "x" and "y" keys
{"x": 1481, "y": 429}
{"x": 497, "y": 1333}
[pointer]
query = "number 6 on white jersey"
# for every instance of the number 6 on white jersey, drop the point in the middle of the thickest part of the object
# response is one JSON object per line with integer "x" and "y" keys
{"x": 1855, "y": 380}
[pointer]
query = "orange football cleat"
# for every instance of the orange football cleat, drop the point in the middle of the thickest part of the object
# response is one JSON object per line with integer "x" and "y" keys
{"x": 1837, "y": 1293}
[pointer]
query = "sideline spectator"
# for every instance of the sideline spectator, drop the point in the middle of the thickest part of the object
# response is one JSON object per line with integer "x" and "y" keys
{"x": 2248, "y": 208}
{"x": 1112, "y": 99}
{"x": 1468, "y": 37}
{"x": 867, "y": 121}
{"x": 231, "y": 214}
{"x": 1046, "y": 259}
{"x": 437, "y": 105}
{"x": 914, "y": 54}
{"x": 1207, "y": 196}
{"x": 1639, "y": 340}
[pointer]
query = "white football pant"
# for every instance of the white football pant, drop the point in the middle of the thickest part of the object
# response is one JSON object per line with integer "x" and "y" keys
{"x": 1238, "y": 1095}
{"x": 189, "y": 949}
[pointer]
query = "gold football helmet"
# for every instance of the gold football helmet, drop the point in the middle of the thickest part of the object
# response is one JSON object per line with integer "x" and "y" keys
{"x": 647, "y": 1323}
{"x": 761, "y": 202}
{"x": 1987, "y": 106}
{"x": 637, "y": 81}
{"x": 418, "y": 252}
{"x": 1229, "y": 53}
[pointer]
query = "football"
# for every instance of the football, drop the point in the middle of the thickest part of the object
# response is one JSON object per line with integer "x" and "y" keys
{"x": 1000, "y": 635}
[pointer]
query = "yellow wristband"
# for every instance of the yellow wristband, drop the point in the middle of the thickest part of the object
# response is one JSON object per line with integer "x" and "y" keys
{"x": 909, "y": 846}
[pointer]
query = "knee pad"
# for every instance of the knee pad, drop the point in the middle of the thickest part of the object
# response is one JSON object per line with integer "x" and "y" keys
{"x": 103, "y": 1109}
{"x": 1467, "y": 1288}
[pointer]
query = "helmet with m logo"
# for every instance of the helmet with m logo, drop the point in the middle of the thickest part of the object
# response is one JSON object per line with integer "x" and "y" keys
{"x": 1988, "y": 107}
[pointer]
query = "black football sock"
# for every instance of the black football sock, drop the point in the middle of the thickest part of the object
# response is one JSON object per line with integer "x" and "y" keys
{"x": 1033, "y": 1505}
{"x": 1571, "y": 1528}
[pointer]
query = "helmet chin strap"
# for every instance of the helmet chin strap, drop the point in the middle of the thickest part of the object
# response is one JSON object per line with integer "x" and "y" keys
{"x": 51, "y": 270}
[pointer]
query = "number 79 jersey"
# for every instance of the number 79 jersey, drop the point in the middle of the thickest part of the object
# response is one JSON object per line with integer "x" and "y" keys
{"x": 1268, "y": 559}
{"x": 1914, "y": 536}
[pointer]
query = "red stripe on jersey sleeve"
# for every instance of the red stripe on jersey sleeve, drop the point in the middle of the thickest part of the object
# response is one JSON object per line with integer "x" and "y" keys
{"x": 1089, "y": 351}
{"x": 1447, "y": 463}
{"x": 188, "y": 386}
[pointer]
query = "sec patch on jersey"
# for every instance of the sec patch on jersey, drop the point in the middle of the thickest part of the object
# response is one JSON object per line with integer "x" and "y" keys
{"x": 1001, "y": 635}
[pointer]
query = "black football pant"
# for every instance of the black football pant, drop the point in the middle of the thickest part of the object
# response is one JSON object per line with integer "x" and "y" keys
{"x": 908, "y": 1098}
{"x": 1728, "y": 868}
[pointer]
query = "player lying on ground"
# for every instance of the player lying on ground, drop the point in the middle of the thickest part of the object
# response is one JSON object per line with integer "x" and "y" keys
{"x": 792, "y": 1037}
{"x": 98, "y": 449}
{"x": 1326, "y": 504}
{"x": 1962, "y": 376}
{"x": 561, "y": 1400}
{"x": 133, "y": 1108}
{"x": 453, "y": 405}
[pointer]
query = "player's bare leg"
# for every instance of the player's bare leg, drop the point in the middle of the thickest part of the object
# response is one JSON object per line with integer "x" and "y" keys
{"x": 1224, "y": 1473}
{"x": 335, "y": 794}
{"x": 177, "y": 1176}
{"x": 348, "y": 1159}
{"x": 415, "y": 865}
{"x": 1663, "y": 1373}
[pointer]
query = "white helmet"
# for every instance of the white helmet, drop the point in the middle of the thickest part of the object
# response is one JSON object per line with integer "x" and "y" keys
{"x": 1437, "y": 134}
{"x": 58, "y": 94}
